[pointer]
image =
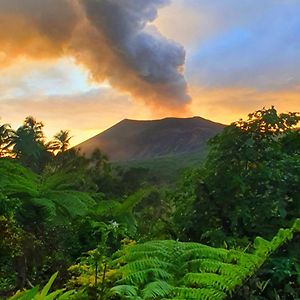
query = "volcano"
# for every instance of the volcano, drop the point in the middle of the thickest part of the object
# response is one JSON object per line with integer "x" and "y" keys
{"x": 143, "y": 140}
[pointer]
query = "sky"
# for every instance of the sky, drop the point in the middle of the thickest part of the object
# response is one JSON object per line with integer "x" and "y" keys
{"x": 85, "y": 65}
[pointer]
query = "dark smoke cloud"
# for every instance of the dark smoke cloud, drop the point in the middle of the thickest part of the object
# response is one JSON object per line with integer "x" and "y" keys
{"x": 112, "y": 38}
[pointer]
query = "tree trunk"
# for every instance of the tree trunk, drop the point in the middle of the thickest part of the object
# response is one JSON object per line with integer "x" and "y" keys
{"x": 20, "y": 267}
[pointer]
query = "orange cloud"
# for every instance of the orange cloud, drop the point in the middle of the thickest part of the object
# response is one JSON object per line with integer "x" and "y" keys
{"x": 229, "y": 104}
{"x": 85, "y": 115}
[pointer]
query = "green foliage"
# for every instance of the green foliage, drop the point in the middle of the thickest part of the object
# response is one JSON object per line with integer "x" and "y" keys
{"x": 191, "y": 200}
{"x": 176, "y": 270}
{"x": 19, "y": 182}
{"x": 165, "y": 169}
{"x": 35, "y": 294}
{"x": 152, "y": 215}
{"x": 248, "y": 186}
{"x": 37, "y": 216}
{"x": 29, "y": 145}
{"x": 250, "y": 175}
{"x": 121, "y": 211}
{"x": 54, "y": 213}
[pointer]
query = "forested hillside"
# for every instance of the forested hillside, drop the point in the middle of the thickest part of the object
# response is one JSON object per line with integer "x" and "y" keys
{"x": 80, "y": 227}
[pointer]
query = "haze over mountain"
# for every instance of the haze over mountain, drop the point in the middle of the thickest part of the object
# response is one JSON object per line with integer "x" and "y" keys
{"x": 141, "y": 140}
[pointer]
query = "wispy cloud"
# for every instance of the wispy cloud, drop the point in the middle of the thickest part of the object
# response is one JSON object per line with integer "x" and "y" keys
{"x": 86, "y": 114}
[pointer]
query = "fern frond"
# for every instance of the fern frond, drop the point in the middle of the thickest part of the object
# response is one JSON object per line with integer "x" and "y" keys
{"x": 72, "y": 203}
{"x": 105, "y": 208}
{"x": 208, "y": 280}
{"x": 200, "y": 252}
{"x": 144, "y": 276}
{"x": 142, "y": 264}
{"x": 124, "y": 290}
{"x": 197, "y": 294}
{"x": 60, "y": 181}
{"x": 16, "y": 180}
{"x": 157, "y": 289}
{"x": 213, "y": 266}
{"x": 175, "y": 270}
{"x": 130, "y": 202}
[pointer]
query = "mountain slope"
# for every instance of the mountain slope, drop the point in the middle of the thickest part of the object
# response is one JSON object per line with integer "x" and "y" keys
{"x": 143, "y": 140}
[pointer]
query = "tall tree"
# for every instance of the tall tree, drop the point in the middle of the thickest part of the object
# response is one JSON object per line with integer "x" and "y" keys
{"x": 249, "y": 185}
{"x": 6, "y": 139}
{"x": 29, "y": 144}
{"x": 251, "y": 177}
{"x": 100, "y": 171}
{"x": 60, "y": 142}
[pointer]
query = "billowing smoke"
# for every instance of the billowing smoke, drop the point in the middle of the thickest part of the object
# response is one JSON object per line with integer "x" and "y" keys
{"x": 112, "y": 38}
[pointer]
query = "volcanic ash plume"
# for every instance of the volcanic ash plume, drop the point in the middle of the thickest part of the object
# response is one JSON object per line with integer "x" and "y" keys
{"x": 114, "y": 39}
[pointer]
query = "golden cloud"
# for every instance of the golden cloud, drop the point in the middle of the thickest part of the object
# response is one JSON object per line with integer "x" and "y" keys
{"x": 227, "y": 105}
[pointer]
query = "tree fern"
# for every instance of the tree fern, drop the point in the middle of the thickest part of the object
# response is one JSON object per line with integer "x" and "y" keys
{"x": 157, "y": 289}
{"x": 52, "y": 194}
{"x": 125, "y": 290}
{"x": 120, "y": 211}
{"x": 175, "y": 270}
{"x": 15, "y": 179}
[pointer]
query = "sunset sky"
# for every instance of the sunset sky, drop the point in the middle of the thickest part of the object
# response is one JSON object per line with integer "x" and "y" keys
{"x": 84, "y": 65}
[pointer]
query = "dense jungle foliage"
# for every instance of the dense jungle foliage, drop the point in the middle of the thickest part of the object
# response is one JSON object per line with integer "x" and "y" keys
{"x": 76, "y": 227}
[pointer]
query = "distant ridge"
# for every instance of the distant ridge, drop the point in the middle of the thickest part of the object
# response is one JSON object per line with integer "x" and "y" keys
{"x": 142, "y": 140}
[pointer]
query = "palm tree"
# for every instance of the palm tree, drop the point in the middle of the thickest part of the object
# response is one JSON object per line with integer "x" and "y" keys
{"x": 6, "y": 139}
{"x": 29, "y": 144}
{"x": 61, "y": 141}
